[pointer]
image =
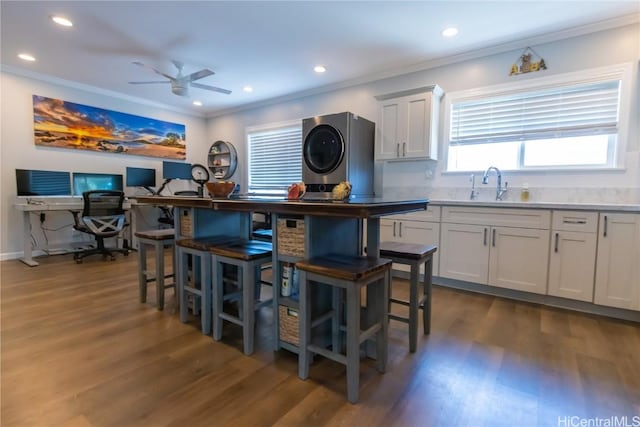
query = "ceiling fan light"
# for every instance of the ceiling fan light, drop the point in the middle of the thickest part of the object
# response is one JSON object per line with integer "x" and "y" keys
{"x": 247, "y": 89}
{"x": 181, "y": 91}
{"x": 319, "y": 69}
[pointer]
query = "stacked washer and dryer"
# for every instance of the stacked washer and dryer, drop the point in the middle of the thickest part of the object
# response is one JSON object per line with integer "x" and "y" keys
{"x": 337, "y": 147}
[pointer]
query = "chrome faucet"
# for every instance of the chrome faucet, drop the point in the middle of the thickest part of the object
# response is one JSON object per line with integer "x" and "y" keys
{"x": 499, "y": 190}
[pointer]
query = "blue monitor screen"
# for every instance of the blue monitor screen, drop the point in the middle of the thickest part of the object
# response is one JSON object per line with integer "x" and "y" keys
{"x": 43, "y": 183}
{"x": 175, "y": 170}
{"x": 141, "y": 177}
{"x": 95, "y": 181}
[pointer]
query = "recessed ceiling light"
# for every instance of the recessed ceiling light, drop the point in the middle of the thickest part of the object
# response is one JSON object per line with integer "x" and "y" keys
{"x": 247, "y": 89}
{"x": 450, "y": 32}
{"x": 62, "y": 21}
{"x": 319, "y": 69}
{"x": 26, "y": 57}
{"x": 197, "y": 103}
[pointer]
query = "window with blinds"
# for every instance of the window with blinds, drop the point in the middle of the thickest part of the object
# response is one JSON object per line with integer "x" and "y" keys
{"x": 568, "y": 124}
{"x": 275, "y": 158}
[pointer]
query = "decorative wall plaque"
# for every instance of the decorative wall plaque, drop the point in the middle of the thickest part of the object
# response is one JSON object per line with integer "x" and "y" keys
{"x": 528, "y": 61}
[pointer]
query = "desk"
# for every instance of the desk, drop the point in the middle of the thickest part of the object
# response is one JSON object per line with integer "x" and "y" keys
{"x": 329, "y": 227}
{"x": 66, "y": 204}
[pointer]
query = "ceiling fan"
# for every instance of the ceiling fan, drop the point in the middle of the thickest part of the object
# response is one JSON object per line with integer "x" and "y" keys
{"x": 180, "y": 84}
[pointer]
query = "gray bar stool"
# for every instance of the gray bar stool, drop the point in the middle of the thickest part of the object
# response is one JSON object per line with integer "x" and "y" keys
{"x": 195, "y": 282}
{"x": 414, "y": 256}
{"x": 158, "y": 240}
{"x": 248, "y": 256}
{"x": 345, "y": 274}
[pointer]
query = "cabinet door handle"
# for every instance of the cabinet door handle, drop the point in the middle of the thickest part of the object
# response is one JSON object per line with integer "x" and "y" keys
{"x": 493, "y": 238}
{"x": 404, "y": 149}
{"x": 400, "y": 228}
{"x": 604, "y": 232}
{"x": 555, "y": 246}
{"x": 398, "y": 149}
{"x": 484, "y": 238}
{"x": 574, "y": 221}
{"x": 394, "y": 229}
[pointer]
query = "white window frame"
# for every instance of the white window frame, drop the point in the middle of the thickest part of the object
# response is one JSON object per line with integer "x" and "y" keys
{"x": 623, "y": 72}
{"x": 266, "y": 128}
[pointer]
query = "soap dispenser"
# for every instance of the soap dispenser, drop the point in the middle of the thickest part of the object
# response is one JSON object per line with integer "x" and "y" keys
{"x": 524, "y": 193}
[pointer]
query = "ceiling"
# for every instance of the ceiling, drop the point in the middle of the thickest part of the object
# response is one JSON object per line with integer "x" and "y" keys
{"x": 269, "y": 45}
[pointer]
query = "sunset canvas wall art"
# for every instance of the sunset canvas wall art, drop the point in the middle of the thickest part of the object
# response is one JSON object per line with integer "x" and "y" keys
{"x": 63, "y": 124}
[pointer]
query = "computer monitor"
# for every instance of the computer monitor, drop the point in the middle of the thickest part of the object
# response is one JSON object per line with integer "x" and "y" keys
{"x": 176, "y": 170}
{"x": 95, "y": 181}
{"x": 43, "y": 183}
{"x": 141, "y": 177}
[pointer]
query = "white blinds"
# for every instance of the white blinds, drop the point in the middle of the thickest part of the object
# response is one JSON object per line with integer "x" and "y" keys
{"x": 275, "y": 159}
{"x": 578, "y": 110}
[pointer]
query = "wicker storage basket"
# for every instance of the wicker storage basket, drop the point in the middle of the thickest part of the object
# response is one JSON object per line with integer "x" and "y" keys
{"x": 186, "y": 226}
{"x": 290, "y": 235}
{"x": 289, "y": 325}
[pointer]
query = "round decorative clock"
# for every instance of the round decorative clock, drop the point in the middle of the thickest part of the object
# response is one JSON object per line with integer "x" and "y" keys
{"x": 200, "y": 175}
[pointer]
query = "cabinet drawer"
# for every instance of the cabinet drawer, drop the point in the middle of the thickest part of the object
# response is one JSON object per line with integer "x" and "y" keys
{"x": 523, "y": 218}
{"x": 586, "y": 222}
{"x": 432, "y": 214}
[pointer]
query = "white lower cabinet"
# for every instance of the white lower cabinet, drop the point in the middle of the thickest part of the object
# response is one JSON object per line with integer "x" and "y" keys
{"x": 618, "y": 261}
{"x": 486, "y": 246}
{"x": 518, "y": 259}
{"x": 572, "y": 255}
{"x": 413, "y": 228}
{"x": 464, "y": 253}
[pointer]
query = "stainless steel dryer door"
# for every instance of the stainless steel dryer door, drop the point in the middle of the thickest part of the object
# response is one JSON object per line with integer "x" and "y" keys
{"x": 323, "y": 149}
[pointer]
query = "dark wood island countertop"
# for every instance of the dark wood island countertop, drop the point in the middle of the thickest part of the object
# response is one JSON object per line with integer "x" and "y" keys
{"x": 366, "y": 207}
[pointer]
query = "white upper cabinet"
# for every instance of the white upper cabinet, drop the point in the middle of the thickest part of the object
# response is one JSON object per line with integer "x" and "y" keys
{"x": 407, "y": 126}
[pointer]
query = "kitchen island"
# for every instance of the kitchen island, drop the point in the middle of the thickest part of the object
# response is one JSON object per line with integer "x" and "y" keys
{"x": 301, "y": 229}
{"x": 332, "y": 214}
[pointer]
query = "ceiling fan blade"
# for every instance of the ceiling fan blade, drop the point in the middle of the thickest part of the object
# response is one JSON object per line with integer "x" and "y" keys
{"x": 149, "y": 82}
{"x": 154, "y": 70}
{"x": 213, "y": 88}
{"x": 200, "y": 74}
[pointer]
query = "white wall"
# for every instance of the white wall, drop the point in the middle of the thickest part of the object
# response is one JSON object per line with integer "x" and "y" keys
{"x": 19, "y": 152}
{"x": 425, "y": 178}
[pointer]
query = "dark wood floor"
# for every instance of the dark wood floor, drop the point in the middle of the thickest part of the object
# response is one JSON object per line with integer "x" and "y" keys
{"x": 78, "y": 349}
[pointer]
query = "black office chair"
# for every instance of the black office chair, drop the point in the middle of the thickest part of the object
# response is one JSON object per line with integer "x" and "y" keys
{"x": 102, "y": 216}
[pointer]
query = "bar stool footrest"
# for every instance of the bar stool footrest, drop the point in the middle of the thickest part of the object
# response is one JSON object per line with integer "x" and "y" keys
{"x": 322, "y": 318}
{"x": 368, "y": 333}
{"x": 400, "y": 301}
{"x": 192, "y": 290}
{"x": 398, "y": 318}
{"x": 336, "y": 357}
{"x": 230, "y": 318}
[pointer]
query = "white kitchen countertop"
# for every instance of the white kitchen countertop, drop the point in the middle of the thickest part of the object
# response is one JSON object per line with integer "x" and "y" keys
{"x": 608, "y": 207}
